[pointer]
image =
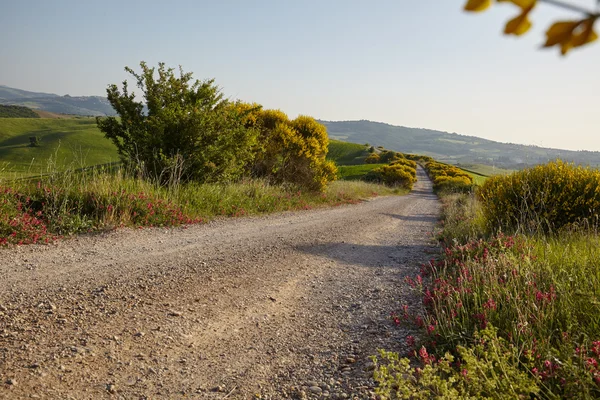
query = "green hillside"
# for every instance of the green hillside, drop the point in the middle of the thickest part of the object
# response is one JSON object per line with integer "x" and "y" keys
{"x": 345, "y": 153}
{"x": 451, "y": 147}
{"x": 17, "y": 112}
{"x": 75, "y": 142}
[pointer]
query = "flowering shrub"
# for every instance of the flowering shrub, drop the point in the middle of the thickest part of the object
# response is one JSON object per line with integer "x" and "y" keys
{"x": 545, "y": 197}
{"x": 448, "y": 179}
{"x": 540, "y": 294}
{"x": 393, "y": 175}
{"x": 18, "y": 223}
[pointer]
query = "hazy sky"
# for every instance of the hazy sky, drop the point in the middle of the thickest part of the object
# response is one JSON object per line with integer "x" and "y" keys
{"x": 419, "y": 63}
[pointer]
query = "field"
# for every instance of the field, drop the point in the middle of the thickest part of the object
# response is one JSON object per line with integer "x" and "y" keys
{"x": 74, "y": 142}
{"x": 356, "y": 172}
{"x": 485, "y": 170}
{"x": 344, "y": 153}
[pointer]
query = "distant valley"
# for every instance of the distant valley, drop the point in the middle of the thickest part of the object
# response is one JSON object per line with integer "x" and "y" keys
{"x": 452, "y": 147}
{"x": 74, "y": 105}
{"x": 448, "y": 147}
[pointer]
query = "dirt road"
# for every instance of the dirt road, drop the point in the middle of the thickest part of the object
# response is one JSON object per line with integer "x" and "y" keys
{"x": 287, "y": 305}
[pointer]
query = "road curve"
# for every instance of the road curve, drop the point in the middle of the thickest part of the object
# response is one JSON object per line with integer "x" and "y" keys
{"x": 285, "y": 305}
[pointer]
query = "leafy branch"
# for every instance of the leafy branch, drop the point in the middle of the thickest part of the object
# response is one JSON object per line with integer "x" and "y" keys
{"x": 566, "y": 35}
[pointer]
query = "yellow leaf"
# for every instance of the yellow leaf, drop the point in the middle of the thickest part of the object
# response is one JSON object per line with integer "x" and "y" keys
{"x": 565, "y": 47}
{"x": 477, "y": 5}
{"x": 586, "y": 34}
{"x": 520, "y": 24}
{"x": 560, "y": 32}
{"x": 520, "y": 3}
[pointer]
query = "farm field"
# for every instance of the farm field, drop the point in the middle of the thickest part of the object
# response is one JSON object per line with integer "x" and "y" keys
{"x": 64, "y": 143}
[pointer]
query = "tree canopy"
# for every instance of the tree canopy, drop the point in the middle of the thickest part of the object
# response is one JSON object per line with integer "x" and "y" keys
{"x": 185, "y": 129}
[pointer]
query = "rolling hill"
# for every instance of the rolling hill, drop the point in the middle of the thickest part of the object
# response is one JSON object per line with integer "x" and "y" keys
{"x": 75, "y": 105}
{"x": 451, "y": 147}
{"x": 73, "y": 142}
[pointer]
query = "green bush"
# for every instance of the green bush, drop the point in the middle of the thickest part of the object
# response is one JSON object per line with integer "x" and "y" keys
{"x": 388, "y": 156}
{"x": 188, "y": 132}
{"x": 546, "y": 197}
{"x": 488, "y": 369}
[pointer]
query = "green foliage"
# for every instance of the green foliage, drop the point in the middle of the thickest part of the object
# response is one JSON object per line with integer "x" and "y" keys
{"x": 373, "y": 158}
{"x": 42, "y": 210}
{"x": 189, "y": 130}
{"x": 488, "y": 369}
{"x": 448, "y": 179}
{"x": 541, "y": 293}
{"x": 356, "y": 172}
{"x": 547, "y": 197}
{"x": 7, "y": 111}
{"x": 34, "y": 141}
{"x": 388, "y": 156}
{"x": 344, "y": 153}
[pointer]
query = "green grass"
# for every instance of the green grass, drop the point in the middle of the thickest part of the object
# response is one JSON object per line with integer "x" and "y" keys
{"x": 35, "y": 210}
{"x": 344, "y": 153}
{"x": 477, "y": 179}
{"x": 356, "y": 172}
{"x": 74, "y": 142}
{"x": 485, "y": 170}
{"x": 540, "y": 292}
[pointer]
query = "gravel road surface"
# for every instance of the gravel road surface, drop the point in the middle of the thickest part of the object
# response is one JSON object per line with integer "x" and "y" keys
{"x": 289, "y": 305}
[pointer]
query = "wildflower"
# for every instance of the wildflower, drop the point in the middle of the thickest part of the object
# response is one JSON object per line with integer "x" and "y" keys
{"x": 490, "y": 304}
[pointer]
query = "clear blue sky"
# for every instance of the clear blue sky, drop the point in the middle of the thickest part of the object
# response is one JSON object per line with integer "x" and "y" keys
{"x": 420, "y": 63}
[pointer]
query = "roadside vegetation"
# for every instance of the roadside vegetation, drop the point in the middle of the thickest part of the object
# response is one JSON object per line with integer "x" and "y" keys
{"x": 187, "y": 155}
{"x": 448, "y": 178}
{"x": 512, "y": 307}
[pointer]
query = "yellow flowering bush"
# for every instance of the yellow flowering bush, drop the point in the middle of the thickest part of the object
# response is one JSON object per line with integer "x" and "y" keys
{"x": 545, "y": 197}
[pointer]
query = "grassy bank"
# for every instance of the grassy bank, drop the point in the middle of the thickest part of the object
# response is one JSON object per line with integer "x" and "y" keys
{"x": 504, "y": 315}
{"x": 41, "y": 210}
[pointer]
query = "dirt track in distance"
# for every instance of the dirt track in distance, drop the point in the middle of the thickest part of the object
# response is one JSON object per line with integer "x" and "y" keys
{"x": 288, "y": 305}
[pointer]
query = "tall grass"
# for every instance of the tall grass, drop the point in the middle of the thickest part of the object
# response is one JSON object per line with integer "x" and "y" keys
{"x": 57, "y": 204}
{"x": 532, "y": 293}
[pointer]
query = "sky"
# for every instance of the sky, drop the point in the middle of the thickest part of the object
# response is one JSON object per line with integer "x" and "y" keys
{"x": 419, "y": 63}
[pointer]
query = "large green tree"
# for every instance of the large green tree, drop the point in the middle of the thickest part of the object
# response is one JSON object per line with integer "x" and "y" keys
{"x": 181, "y": 129}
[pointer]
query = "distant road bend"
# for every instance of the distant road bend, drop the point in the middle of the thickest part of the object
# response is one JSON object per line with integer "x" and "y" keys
{"x": 288, "y": 305}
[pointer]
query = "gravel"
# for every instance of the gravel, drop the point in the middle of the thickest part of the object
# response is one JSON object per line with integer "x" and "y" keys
{"x": 289, "y": 305}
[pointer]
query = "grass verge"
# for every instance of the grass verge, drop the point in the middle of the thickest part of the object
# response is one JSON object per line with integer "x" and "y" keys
{"x": 42, "y": 210}
{"x": 505, "y": 316}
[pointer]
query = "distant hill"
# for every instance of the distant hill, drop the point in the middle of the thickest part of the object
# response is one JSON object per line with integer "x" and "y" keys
{"x": 452, "y": 147}
{"x": 75, "y": 105}
{"x": 17, "y": 112}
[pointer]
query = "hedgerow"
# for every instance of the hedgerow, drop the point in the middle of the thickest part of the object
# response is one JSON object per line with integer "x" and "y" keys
{"x": 448, "y": 179}
{"x": 395, "y": 174}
